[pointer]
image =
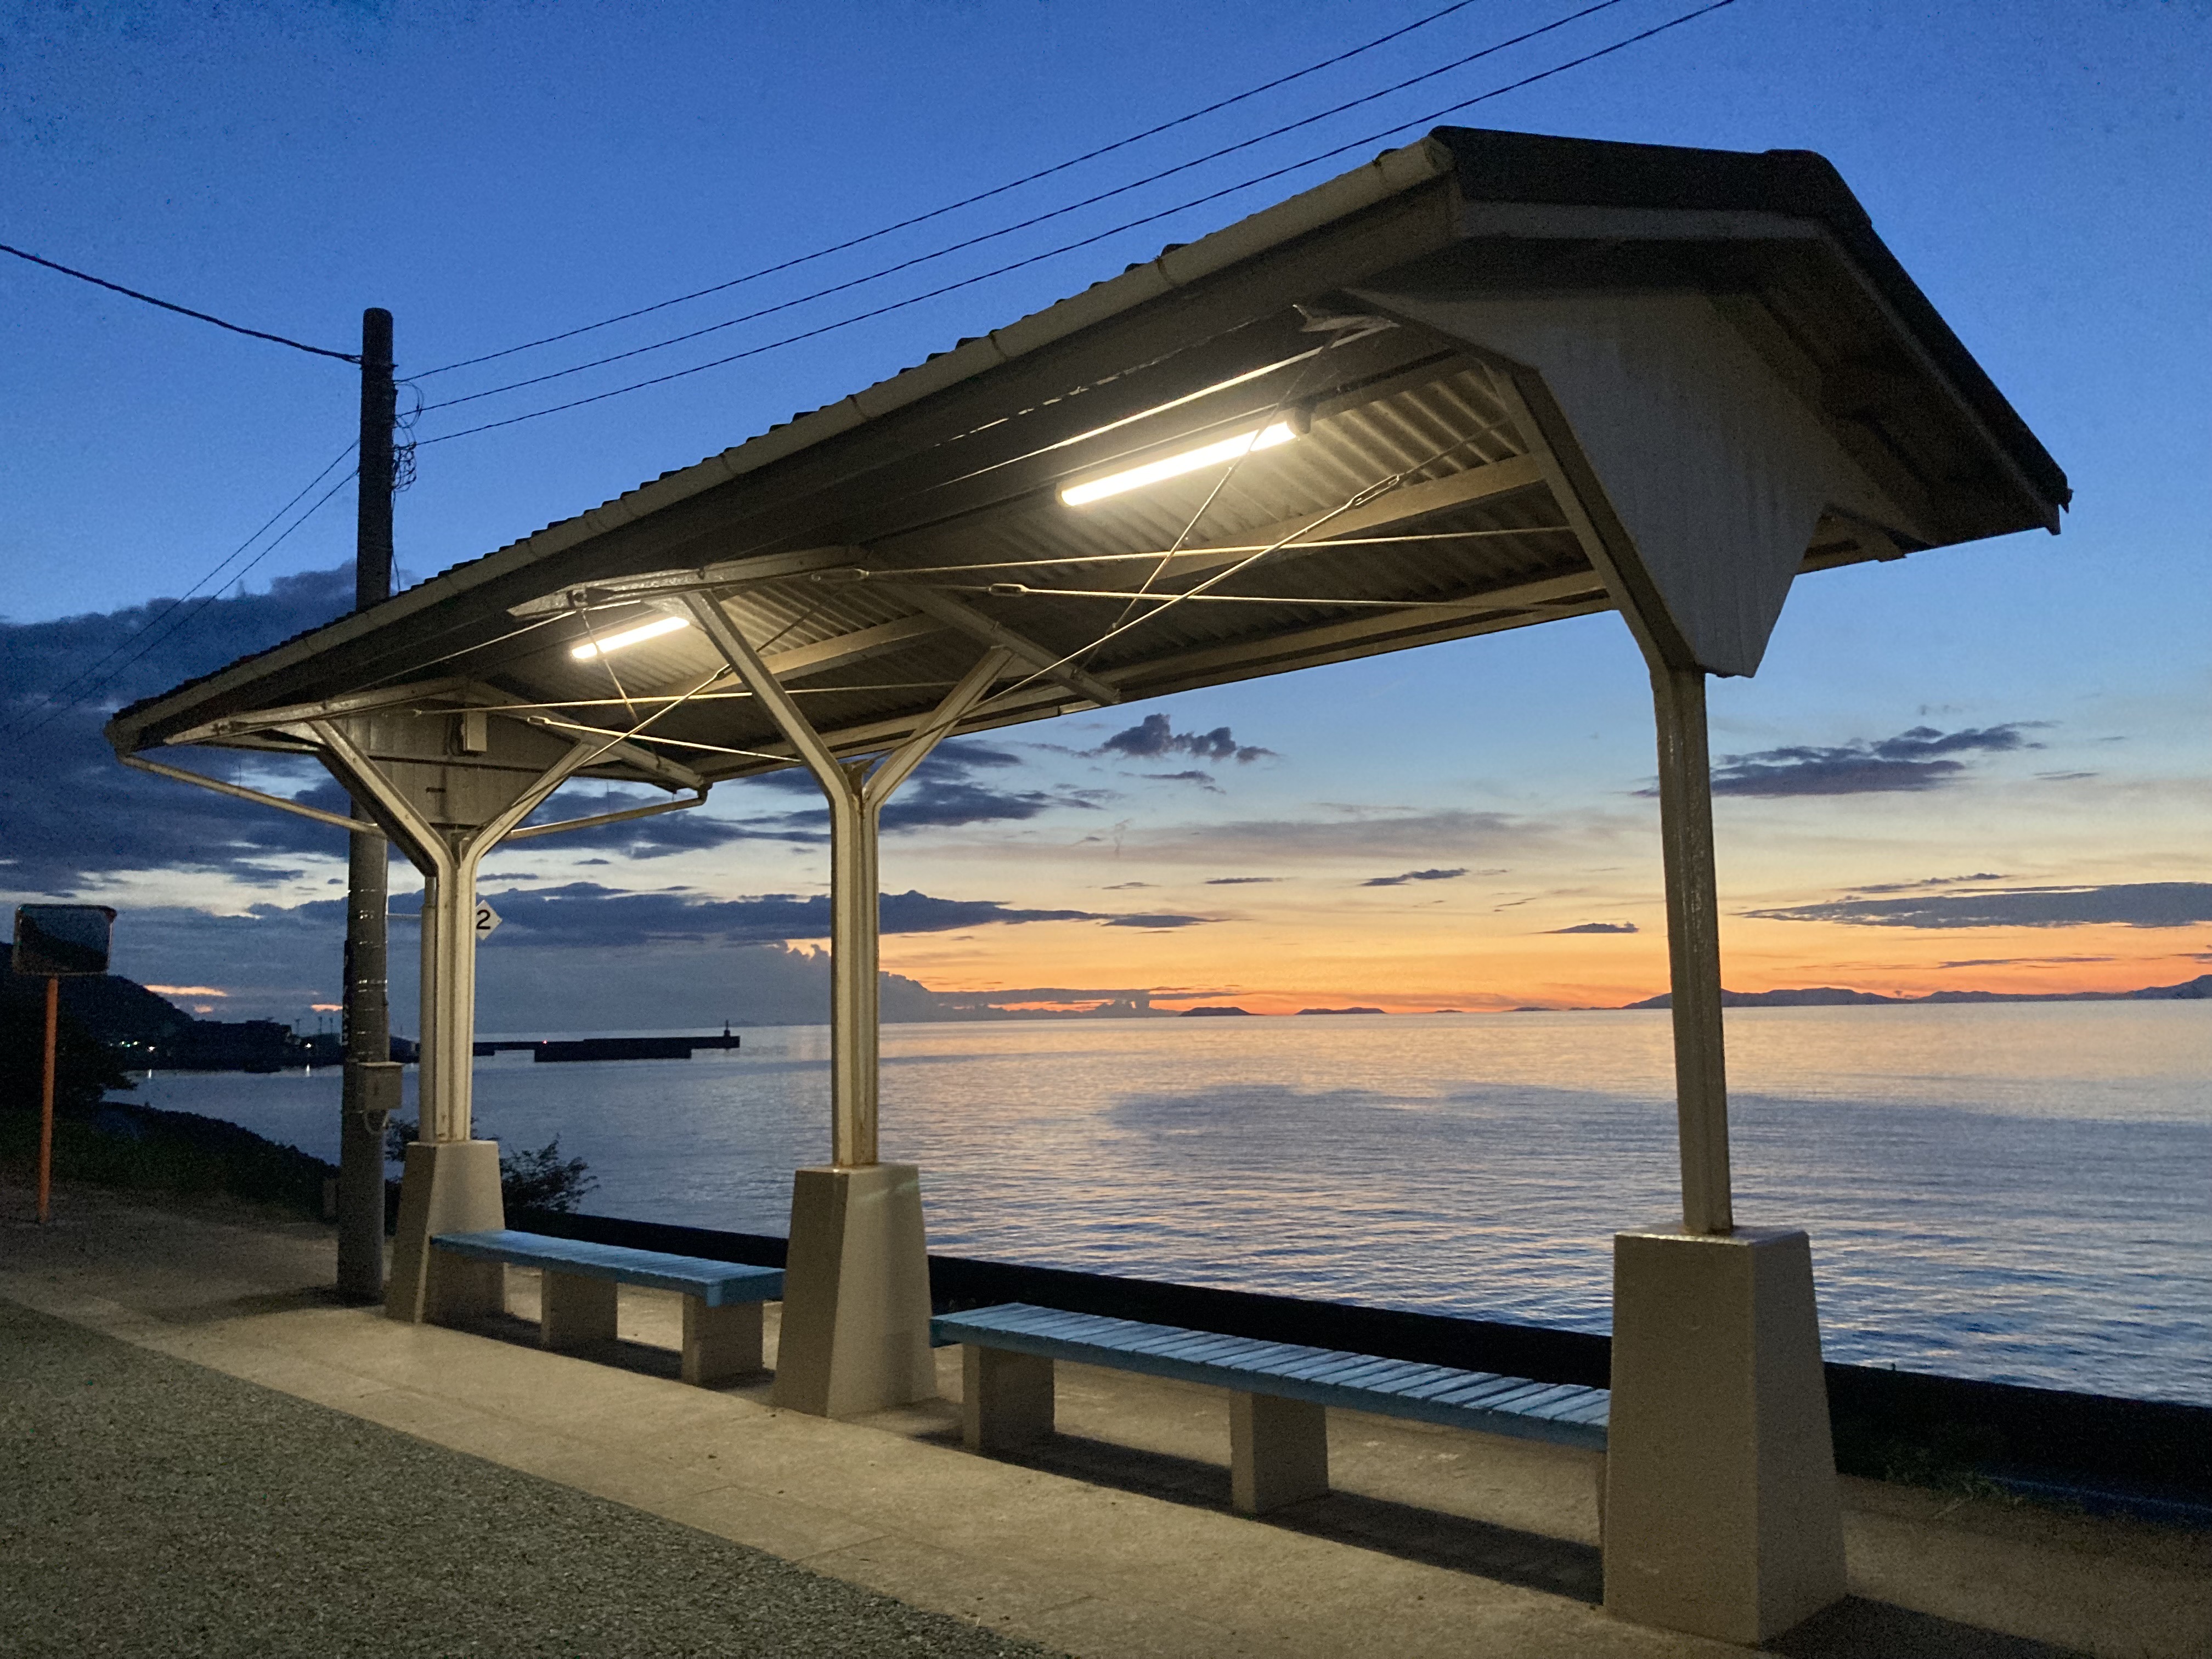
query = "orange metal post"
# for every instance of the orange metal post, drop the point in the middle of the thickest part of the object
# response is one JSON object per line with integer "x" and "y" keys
{"x": 47, "y": 1102}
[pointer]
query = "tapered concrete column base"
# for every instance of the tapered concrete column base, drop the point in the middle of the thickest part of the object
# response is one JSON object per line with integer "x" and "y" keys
{"x": 449, "y": 1187}
{"x": 1720, "y": 1514}
{"x": 855, "y": 1293}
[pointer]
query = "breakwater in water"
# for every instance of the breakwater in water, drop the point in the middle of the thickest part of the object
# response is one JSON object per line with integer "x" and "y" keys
{"x": 561, "y": 1049}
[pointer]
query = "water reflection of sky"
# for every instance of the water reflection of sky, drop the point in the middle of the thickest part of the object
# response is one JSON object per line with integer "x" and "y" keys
{"x": 2014, "y": 1192}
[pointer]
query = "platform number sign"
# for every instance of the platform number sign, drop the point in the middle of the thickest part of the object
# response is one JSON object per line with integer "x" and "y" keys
{"x": 487, "y": 920}
{"x": 62, "y": 940}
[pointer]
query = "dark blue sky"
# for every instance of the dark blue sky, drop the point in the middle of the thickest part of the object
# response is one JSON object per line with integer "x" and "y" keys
{"x": 492, "y": 172}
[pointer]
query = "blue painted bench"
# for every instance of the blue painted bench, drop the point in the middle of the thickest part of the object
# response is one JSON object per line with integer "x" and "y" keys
{"x": 1280, "y": 1392}
{"x": 721, "y": 1300}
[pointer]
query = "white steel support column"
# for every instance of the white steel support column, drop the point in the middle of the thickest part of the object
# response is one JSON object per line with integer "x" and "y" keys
{"x": 452, "y": 1179}
{"x": 427, "y": 1004}
{"x": 855, "y": 1332}
{"x": 855, "y": 1016}
{"x": 449, "y": 858}
{"x": 1686, "y": 804}
{"x": 449, "y": 1001}
{"x": 1721, "y": 1516}
{"x": 1693, "y": 947}
{"x": 856, "y": 797}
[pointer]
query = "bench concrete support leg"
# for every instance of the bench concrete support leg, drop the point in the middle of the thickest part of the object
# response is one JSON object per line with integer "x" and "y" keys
{"x": 574, "y": 1310}
{"x": 1721, "y": 1516}
{"x": 449, "y": 1187}
{"x": 1005, "y": 1399}
{"x": 721, "y": 1345}
{"x": 1278, "y": 1452}
{"x": 855, "y": 1293}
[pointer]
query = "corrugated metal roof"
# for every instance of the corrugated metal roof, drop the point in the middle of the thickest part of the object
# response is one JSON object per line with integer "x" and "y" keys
{"x": 952, "y": 470}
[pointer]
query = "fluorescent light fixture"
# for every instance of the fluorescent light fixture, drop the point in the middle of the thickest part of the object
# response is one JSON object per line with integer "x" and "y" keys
{"x": 643, "y": 631}
{"x": 1174, "y": 466}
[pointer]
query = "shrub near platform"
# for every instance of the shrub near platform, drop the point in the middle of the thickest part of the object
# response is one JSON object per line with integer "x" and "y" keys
{"x": 113, "y": 1143}
{"x": 142, "y": 1148}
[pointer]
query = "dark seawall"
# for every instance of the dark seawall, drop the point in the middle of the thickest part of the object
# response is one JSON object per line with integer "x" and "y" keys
{"x": 2148, "y": 1457}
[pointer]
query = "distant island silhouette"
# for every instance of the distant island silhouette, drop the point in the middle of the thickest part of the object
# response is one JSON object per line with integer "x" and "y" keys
{"x": 143, "y": 1029}
{"x": 1833, "y": 996}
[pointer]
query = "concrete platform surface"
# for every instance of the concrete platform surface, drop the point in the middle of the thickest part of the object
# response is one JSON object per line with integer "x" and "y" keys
{"x": 1114, "y": 1539}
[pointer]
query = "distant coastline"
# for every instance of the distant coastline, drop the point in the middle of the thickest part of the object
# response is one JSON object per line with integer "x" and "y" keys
{"x": 1816, "y": 996}
{"x": 1834, "y": 996}
{"x": 142, "y": 1029}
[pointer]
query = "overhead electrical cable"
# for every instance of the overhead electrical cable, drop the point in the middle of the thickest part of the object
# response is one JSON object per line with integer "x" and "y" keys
{"x": 153, "y": 633}
{"x": 966, "y": 202}
{"x": 211, "y": 576}
{"x": 182, "y": 311}
{"x": 1035, "y": 219}
{"x": 1068, "y": 248}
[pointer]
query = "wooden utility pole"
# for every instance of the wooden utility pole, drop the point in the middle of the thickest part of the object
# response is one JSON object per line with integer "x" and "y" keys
{"x": 372, "y": 1081}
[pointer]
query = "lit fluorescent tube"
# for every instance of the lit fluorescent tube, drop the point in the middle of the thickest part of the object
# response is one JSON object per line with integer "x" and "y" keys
{"x": 1174, "y": 466}
{"x": 652, "y": 630}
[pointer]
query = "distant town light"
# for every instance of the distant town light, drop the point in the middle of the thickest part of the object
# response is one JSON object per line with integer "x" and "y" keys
{"x": 1174, "y": 466}
{"x": 651, "y": 630}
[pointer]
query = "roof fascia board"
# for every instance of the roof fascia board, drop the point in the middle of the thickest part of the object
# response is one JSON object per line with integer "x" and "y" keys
{"x": 1561, "y": 221}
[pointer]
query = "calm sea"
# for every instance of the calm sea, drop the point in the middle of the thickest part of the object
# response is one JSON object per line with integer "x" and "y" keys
{"x": 2017, "y": 1191}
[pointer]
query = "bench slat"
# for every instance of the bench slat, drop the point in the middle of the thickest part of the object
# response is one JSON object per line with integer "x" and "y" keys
{"x": 1402, "y": 1378}
{"x": 1444, "y": 1381}
{"x": 1562, "y": 1412}
{"x": 1499, "y": 1394}
{"x": 717, "y": 1284}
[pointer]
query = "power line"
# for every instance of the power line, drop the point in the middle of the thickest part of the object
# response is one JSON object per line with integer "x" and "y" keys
{"x": 190, "y": 616}
{"x": 1041, "y": 218}
{"x": 154, "y": 633}
{"x": 966, "y": 202}
{"x": 221, "y": 565}
{"x": 182, "y": 311}
{"x": 1068, "y": 248}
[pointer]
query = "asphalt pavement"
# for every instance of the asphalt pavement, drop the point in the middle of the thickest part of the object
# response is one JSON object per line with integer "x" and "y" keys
{"x": 152, "y": 1507}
